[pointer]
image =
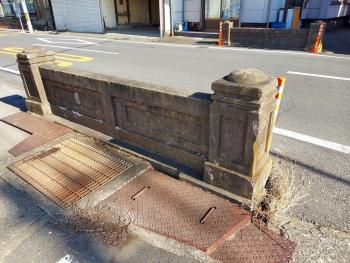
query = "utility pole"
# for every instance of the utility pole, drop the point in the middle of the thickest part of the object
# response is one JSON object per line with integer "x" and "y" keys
{"x": 26, "y": 15}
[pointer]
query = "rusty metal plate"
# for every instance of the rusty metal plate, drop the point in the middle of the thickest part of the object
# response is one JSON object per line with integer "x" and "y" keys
{"x": 177, "y": 210}
{"x": 255, "y": 244}
{"x": 69, "y": 170}
{"x": 43, "y": 131}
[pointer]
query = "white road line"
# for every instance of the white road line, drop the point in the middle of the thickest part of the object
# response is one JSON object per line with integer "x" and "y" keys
{"x": 66, "y": 41}
{"x": 309, "y": 139}
{"x": 76, "y": 48}
{"x": 238, "y": 49}
{"x": 317, "y": 75}
{"x": 13, "y": 71}
{"x": 301, "y": 53}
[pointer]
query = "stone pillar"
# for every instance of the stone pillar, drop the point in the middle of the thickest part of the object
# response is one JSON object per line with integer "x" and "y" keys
{"x": 29, "y": 61}
{"x": 241, "y": 123}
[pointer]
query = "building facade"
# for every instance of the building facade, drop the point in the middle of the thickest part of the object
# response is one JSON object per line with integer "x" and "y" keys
{"x": 40, "y": 13}
{"x": 99, "y": 15}
{"x": 325, "y": 9}
{"x": 167, "y": 15}
{"x": 200, "y": 15}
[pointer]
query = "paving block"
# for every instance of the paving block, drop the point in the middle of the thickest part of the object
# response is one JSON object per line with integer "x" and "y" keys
{"x": 255, "y": 244}
{"x": 42, "y": 131}
{"x": 178, "y": 210}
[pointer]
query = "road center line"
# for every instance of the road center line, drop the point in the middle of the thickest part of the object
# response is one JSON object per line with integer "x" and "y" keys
{"x": 309, "y": 139}
{"x": 13, "y": 71}
{"x": 80, "y": 49}
{"x": 317, "y": 75}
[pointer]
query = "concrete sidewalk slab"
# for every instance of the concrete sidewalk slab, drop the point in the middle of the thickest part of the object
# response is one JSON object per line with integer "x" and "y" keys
{"x": 177, "y": 210}
{"x": 42, "y": 131}
{"x": 255, "y": 244}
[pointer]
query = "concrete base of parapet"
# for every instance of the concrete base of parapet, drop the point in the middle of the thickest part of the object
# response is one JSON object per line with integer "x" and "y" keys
{"x": 236, "y": 183}
{"x": 34, "y": 107}
{"x": 244, "y": 202}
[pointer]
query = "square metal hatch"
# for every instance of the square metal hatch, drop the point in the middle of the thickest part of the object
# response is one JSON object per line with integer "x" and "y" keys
{"x": 69, "y": 170}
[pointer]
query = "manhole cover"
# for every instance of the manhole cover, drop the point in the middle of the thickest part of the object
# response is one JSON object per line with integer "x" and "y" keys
{"x": 70, "y": 170}
{"x": 178, "y": 210}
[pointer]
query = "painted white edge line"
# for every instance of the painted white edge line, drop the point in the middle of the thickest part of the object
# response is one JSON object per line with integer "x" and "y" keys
{"x": 13, "y": 71}
{"x": 75, "y": 48}
{"x": 317, "y": 75}
{"x": 301, "y": 53}
{"x": 309, "y": 139}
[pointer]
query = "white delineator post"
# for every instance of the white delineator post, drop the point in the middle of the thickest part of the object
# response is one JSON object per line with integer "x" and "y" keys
{"x": 280, "y": 87}
{"x": 26, "y": 15}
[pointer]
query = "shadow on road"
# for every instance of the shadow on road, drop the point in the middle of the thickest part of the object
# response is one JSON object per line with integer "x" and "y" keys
{"x": 316, "y": 171}
{"x": 17, "y": 101}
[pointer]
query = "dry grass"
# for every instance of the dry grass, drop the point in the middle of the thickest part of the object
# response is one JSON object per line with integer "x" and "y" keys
{"x": 98, "y": 222}
{"x": 282, "y": 194}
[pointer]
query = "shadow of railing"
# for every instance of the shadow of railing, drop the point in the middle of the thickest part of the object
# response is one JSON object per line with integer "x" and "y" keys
{"x": 17, "y": 101}
{"x": 317, "y": 171}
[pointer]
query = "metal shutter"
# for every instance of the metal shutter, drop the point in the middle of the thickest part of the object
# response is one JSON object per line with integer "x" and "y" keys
{"x": 77, "y": 15}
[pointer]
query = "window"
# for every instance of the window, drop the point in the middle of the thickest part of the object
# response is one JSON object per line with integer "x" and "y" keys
{"x": 225, "y": 9}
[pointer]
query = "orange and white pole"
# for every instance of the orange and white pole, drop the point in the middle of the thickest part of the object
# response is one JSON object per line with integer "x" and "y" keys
{"x": 318, "y": 42}
{"x": 280, "y": 87}
{"x": 220, "y": 35}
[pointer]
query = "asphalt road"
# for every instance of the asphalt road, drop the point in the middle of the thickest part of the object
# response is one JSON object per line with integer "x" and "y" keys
{"x": 316, "y": 104}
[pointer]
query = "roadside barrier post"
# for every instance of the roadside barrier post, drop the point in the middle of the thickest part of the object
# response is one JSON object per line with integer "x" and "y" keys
{"x": 318, "y": 42}
{"x": 241, "y": 123}
{"x": 280, "y": 87}
{"x": 314, "y": 40}
{"x": 220, "y": 35}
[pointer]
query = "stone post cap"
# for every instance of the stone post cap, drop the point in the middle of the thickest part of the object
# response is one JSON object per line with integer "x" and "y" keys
{"x": 34, "y": 55}
{"x": 34, "y": 52}
{"x": 249, "y": 83}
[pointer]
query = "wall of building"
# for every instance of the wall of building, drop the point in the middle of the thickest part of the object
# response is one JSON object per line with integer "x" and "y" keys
{"x": 77, "y": 15}
{"x": 155, "y": 12}
{"x": 323, "y": 9}
{"x": 122, "y": 12}
{"x": 139, "y": 12}
{"x": 108, "y": 13}
{"x": 192, "y": 10}
{"x": 256, "y": 11}
{"x": 177, "y": 11}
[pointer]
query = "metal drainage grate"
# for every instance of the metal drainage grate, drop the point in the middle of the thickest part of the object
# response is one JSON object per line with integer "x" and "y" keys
{"x": 70, "y": 170}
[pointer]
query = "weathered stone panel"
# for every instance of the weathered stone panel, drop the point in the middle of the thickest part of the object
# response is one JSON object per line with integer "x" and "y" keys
{"x": 167, "y": 123}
